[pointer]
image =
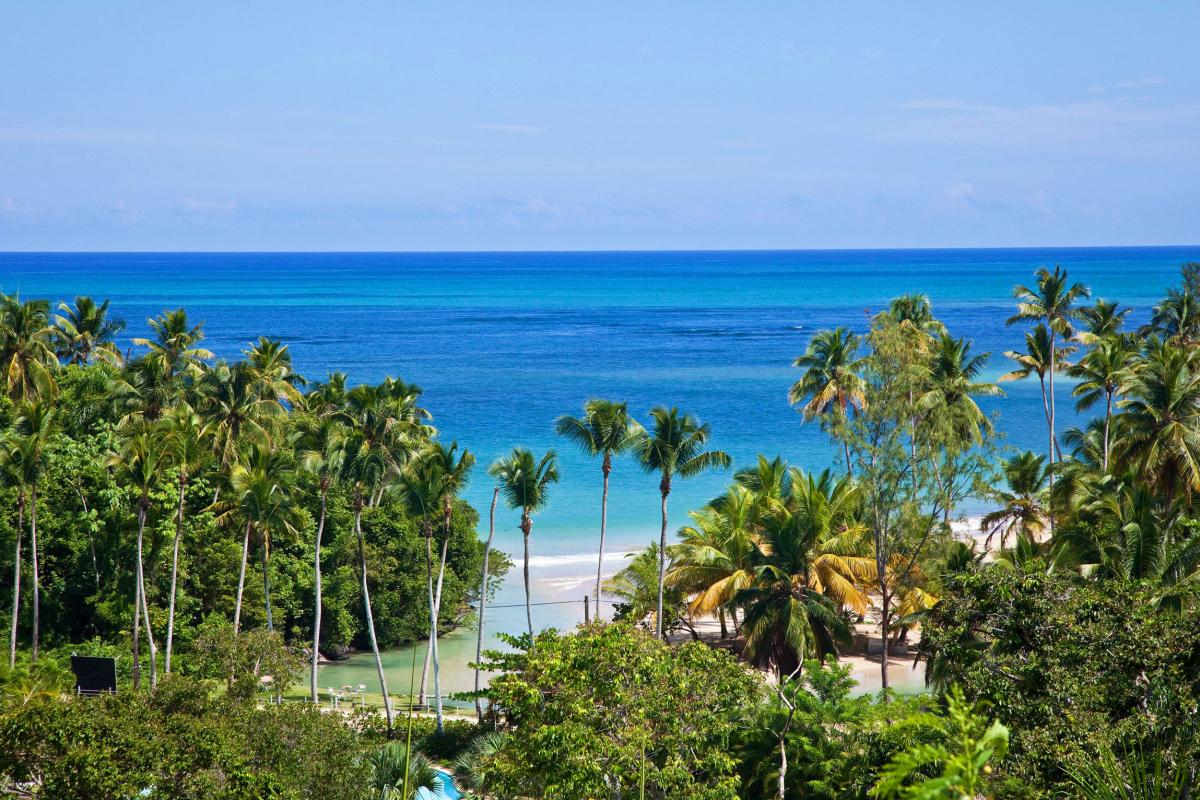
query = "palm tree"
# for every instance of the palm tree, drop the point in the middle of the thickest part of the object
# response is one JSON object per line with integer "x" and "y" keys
{"x": 1053, "y": 302}
{"x": 86, "y": 329}
{"x": 321, "y": 454}
{"x": 604, "y": 430}
{"x": 271, "y": 364}
{"x": 915, "y": 311}
{"x": 13, "y": 468}
{"x": 483, "y": 593}
{"x": 234, "y": 403}
{"x": 831, "y": 382}
{"x": 1162, "y": 412}
{"x": 185, "y": 436}
{"x": 394, "y": 765}
{"x": 25, "y": 450}
{"x": 175, "y": 345}
{"x": 1177, "y": 317}
{"x": 1037, "y": 360}
{"x": 1102, "y": 320}
{"x": 674, "y": 449}
{"x": 260, "y": 494}
{"x": 954, "y": 379}
{"x": 1023, "y": 504}
{"x": 140, "y": 462}
{"x": 1100, "y": 373}
{"x": 525, "y": 483}
{"x": 27, "y": 357}
{"x": 145, "y": 390}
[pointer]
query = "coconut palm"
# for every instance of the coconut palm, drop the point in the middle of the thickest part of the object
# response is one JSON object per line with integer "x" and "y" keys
{"x": 145, "y": 390}
{"x": 140, "y": 463}
{"x": 1100, "y": 373}
{"x": 605, "y": 430}
{"x": 915, "y": 311}
{"x": 1023, "y": 504}
{"x": 674, "y": 448}
{"x": 525, "y": 483}
{"x": 86, "y": 329}
{"x": 271, "y": 364}
{"x": 259, "y": 493}
{"x": 233, "y": 400}
{"x": 1036, "y": 360}
{"x": 321, "y": 452}
{"x": 483, "y": 594}
{"x": 831, "y": 384}
{"x": 1102, "y": 320}
{"x": 25, "y": 456}
{"x": 954, "y": 385}
{"x": 1162, "y": 413}
{"x": 27, "y": 358}
{"x": 1052, "y": 301}
{"x": 186, "y": 438}
{"x": 1177, "y": 317}
{"x": 175, "y": 344}
{"x": 12, "y": 465}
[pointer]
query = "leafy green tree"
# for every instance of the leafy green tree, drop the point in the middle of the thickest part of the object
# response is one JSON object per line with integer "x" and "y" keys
{"x": 674, "y": 448}
{"x": 831, "y": 382}
{"x": 525, "y": 483}
{"x": 604, "y": 430}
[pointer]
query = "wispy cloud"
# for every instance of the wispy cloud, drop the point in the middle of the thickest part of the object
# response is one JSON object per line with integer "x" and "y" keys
{"x": 940, "y": 120}
{"x": 1139, "y": 83}
{"x": 215, "y": 207}
{"x": 526, "y": 130}
{"x": 37, "y": 134}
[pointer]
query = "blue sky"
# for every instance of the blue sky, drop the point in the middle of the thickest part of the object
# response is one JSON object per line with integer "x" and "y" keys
{"x": 465, "y": 126}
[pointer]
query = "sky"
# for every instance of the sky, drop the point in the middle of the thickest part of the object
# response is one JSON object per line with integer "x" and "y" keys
{"x": 565, "y": 126}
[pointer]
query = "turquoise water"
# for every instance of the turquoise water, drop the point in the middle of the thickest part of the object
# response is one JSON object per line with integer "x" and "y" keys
{"x": 504, "y": 342}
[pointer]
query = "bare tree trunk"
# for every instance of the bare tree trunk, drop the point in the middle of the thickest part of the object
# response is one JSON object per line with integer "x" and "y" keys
{"x": 721, "y": 617}
{"x": 664, "y": 489}
{"x": 606, "y": 468}
{"x": 144, "y": 605}
{"x": 483, "y": 580}
{"x": 1053, "y": 438}
{"x": 91, "y": 538}
{"x": 316, "y": 656}
{"x": 1107, "y": 420}
{"x": 37, "y": 580}
{"x": 884, "y": 627}
{"x": 429, "y": 588}
{"x": 846, "y": 449}
{"x": 16, "y": 604}
{"x": 437, "y": 610}
{"x": 174, "y": 573}
{"x": 237, "y": 607}
{"x": 362, "y": 558}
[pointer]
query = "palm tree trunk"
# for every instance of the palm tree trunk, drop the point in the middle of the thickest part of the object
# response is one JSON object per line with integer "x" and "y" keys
{"x": 316, "y": 656}
{"x": 487, "y": 549}
{"x": 606, "y": 469}
{"x": 432, "y": 612}
{"x": 846, "y": 450}
{"x": 1050, "y": 441}
{"x": 362, "y": 559}
{"x": 266, "y": 567}
{"x": 142, "y": 598}
{"x": 1108, "y": 398}
{"x": 437, "y": 610}
{"x": 16, "y": 604}
{"x": 664, "y": 489}
{"x": 37, "y": 587}
{"x": 721, "y": 617}
{"x": 885, "y": 605}
{"x": 137, "y": 634}
{"x": 526, "y": 527}
{"x": 174, "y": 573}
{"x": 91, "y": 538}
{"x": 1053, "y": 438}
{"x": 237, "y": 606}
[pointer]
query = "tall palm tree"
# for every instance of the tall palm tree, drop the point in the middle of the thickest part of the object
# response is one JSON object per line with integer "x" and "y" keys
{"x": 605, "y": 430}
{"x": 674, "y": 448}
{"x": 185, "y": 437}
{"x": 86, "y": 329}
{"x": 915, "y": 311}
{"x": 27, "y": 358}
{"x": 25, "y": 448}
{"x": 13, "y": 457}
{"x": 1023, "y": 504}
{"x": 271, "y": 364}
{"x": 525, "y": 483}
{"x": 1052, "y": 301}
{"x": 1100, "y": 373}
{"x": 1103, "y": 319}
{"x": 321, "y": 454}
{"x": 260, "y": 494}
{"x": 483, "y": 593}
{"x": 235, "y": 405}
{"x": 1037, "y": 360}
{"x": 1162, "y": 412}
{"x": 832, "y": 383}
{"x": 145, "y": 390}
{"x": 175, "y": 344}
{"x": 954, "y": 385}
{"x": 373, "y": 439}
{"x": 140, "y": 463}
{"x": 1177, "y": 317}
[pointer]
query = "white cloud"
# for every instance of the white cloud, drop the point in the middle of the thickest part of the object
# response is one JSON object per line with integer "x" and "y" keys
{"x": 215, "y": 207}
{"x": 1139, "y": 83}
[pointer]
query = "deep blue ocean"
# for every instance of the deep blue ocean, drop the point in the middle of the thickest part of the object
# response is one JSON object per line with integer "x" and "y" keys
{"x": 502, "y": 343}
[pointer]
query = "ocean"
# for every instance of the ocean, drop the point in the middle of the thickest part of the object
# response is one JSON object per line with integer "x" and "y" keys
{"x": 502, "y": 343}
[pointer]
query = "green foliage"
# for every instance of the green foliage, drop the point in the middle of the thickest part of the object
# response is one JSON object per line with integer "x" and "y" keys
{"x": 180, "y": 743}
{"x": 581, "y": 708}
{"x": 960, "y": 762}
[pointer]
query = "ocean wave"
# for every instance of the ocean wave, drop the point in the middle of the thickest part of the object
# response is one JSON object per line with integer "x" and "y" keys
{"x": 615, "y": 556}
